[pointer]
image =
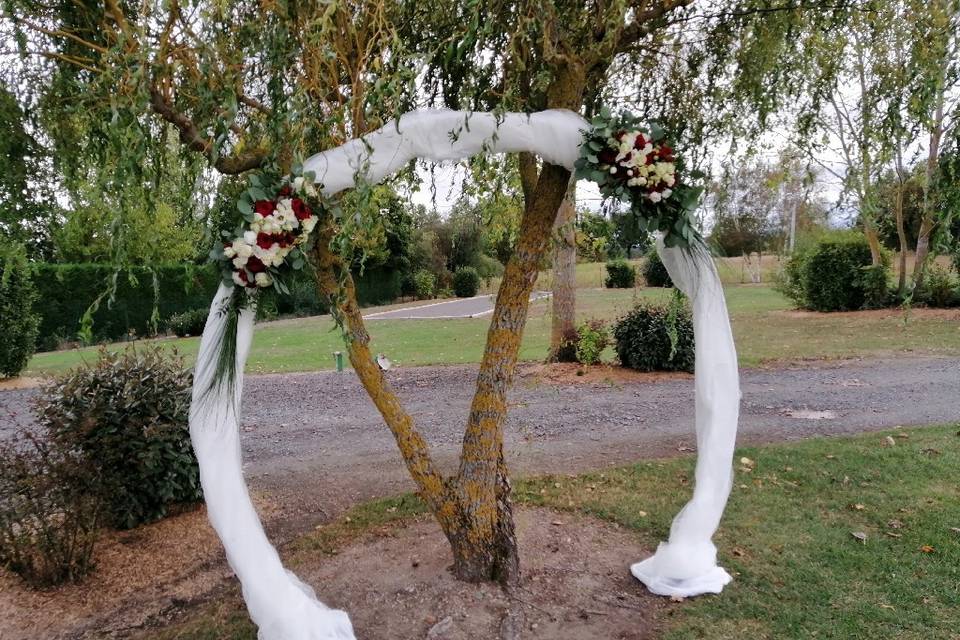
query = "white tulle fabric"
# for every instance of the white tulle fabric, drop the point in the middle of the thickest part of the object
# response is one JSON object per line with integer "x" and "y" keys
{"x": 686, "y": 565}
{"x": 281, "y": 605}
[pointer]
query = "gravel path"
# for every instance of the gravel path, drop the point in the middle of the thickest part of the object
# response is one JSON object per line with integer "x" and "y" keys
{"x": 316, "y": 442}
{"x": 475, "y": 307}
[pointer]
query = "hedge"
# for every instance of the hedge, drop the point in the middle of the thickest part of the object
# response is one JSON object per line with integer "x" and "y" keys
{"x": 66, "y": 291}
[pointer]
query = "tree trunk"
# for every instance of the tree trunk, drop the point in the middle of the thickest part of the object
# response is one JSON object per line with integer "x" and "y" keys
{"x": 873, "y": 239}
{"x": 929, "y": 214}
{"x": 564, "y": 280}
{"x": 482, "y": 489}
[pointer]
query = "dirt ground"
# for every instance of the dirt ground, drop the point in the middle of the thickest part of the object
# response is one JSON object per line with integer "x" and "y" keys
{"x": 395, "y": 583}
{"x": 575, "y": 585}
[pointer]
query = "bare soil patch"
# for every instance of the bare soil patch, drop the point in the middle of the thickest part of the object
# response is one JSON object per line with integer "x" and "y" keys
{"x": 7, "y": 384}
{"x": 573, "y": 373}
{"x": 576, "y": 584}
{"x": 917, "y": 313}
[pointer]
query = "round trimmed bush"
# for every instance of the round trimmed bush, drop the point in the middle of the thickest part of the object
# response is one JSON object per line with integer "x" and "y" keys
{"x": 127, "y": 413}
{"x": 18, "y": 322}
{"x": 466, "y": 282}
{"x": 188, "y": 323}
{"x": 620, "y": 274}
{"x": 833, "y": 274}
{"x": 656, "y": 338}
{"x": 654, "y": 272}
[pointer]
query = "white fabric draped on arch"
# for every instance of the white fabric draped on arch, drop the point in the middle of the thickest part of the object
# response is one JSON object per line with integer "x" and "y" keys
{"x": 282, "y": 606}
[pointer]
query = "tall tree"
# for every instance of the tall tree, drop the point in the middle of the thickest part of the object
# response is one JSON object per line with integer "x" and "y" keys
{"x": 935, "y": 100}
{"x": 27, "y": 205}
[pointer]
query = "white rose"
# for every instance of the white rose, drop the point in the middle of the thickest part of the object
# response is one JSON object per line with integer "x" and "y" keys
{"x": 309, "y": 224}
{"x": 236, "y": 278}
{"x": 229, "y": 252}
{"x": 263, "y": 279}
{"x": 655, "y": 196}
{"x": 298, "y": 184}
{"x": 250, "y": 237}
{"x": 666, "y": 193}
{"x": 613, "y": 169}
{"x": 243, "y": 250}
{"x": 311, "y": 190}
{"x": 239, "y": 262}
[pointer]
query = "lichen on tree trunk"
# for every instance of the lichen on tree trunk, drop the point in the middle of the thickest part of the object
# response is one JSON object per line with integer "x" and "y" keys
{"x": 473, "y": 507}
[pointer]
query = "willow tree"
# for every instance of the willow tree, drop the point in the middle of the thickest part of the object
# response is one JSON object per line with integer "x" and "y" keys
{"x": 252, "y": 87}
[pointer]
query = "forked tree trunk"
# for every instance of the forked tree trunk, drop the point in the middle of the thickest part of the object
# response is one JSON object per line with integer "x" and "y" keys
{"x": 472, "y": 507}
{"x": 564, "y": 280}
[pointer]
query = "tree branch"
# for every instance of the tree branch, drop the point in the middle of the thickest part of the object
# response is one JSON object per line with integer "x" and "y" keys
{"x": 640, "y": 26}
{"x": 194, "y": 140}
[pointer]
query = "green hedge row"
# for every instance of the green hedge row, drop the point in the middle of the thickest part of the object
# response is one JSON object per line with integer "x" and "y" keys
{"x": 66, "y": 291}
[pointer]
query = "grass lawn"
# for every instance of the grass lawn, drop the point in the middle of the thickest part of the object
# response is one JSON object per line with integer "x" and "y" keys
{"x": 765, "y": 329}
{"x": 787, "y": 537}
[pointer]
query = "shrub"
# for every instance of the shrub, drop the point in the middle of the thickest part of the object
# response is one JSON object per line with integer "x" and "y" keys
{"x": 127, "y": 413}
{"x": 656, "y": 337}
{"x": 620, "y": 274}
{"x": 466, "y": 281}
{"x": 833, "y": 276}
{"x": 790, "y": 280}
{"x": 876, "y": 286}
{"x": 188, "y": 323}
{"x": 18, "y": 322}
{"x": 938, "y": 288}
{"x": 654, "y": 272}
{"x": 424, "y": 284}
{"x": 592, "y": 338}
{"x": 50, "y": 509}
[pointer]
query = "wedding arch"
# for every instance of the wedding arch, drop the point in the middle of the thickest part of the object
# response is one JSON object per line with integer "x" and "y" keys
{"x": 285, "y": 608}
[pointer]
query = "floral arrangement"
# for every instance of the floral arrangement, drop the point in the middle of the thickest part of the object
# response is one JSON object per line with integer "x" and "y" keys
{"x": 278, "y": 217}
{"x": 635, "y": 164}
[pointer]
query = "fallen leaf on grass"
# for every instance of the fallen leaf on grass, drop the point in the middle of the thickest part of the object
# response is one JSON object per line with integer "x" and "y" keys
{"x": 677, "y": 598}
{"x": 895, "y": 524}
{"x": 893, "y": 535}
{"x": 856, "y": 507}
{"x": 889, "y": 442}
{"x": 887, "y": 606}
{"x": 955, "y": 529}
{"x": 927, "y": 549}
{"x": 860, "y": 536}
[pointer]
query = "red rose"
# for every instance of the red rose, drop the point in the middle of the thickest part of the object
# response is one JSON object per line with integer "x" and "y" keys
{"x": 265, "y": 240}
{"x": 255, "y": 265}
{"x": 641, "y": 142}
{"x": 300, "y": 209}
{"x": 619, "y": 135}
{"x": 264, "y": 207}
{"x": 288, "y": 239}
{"x": 285, "y": 190}
{"x": 649, "y": 159}
{"x": 607, "y": 156}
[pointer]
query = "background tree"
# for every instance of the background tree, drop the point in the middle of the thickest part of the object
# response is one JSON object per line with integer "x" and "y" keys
{"x": 27, "y": 205}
